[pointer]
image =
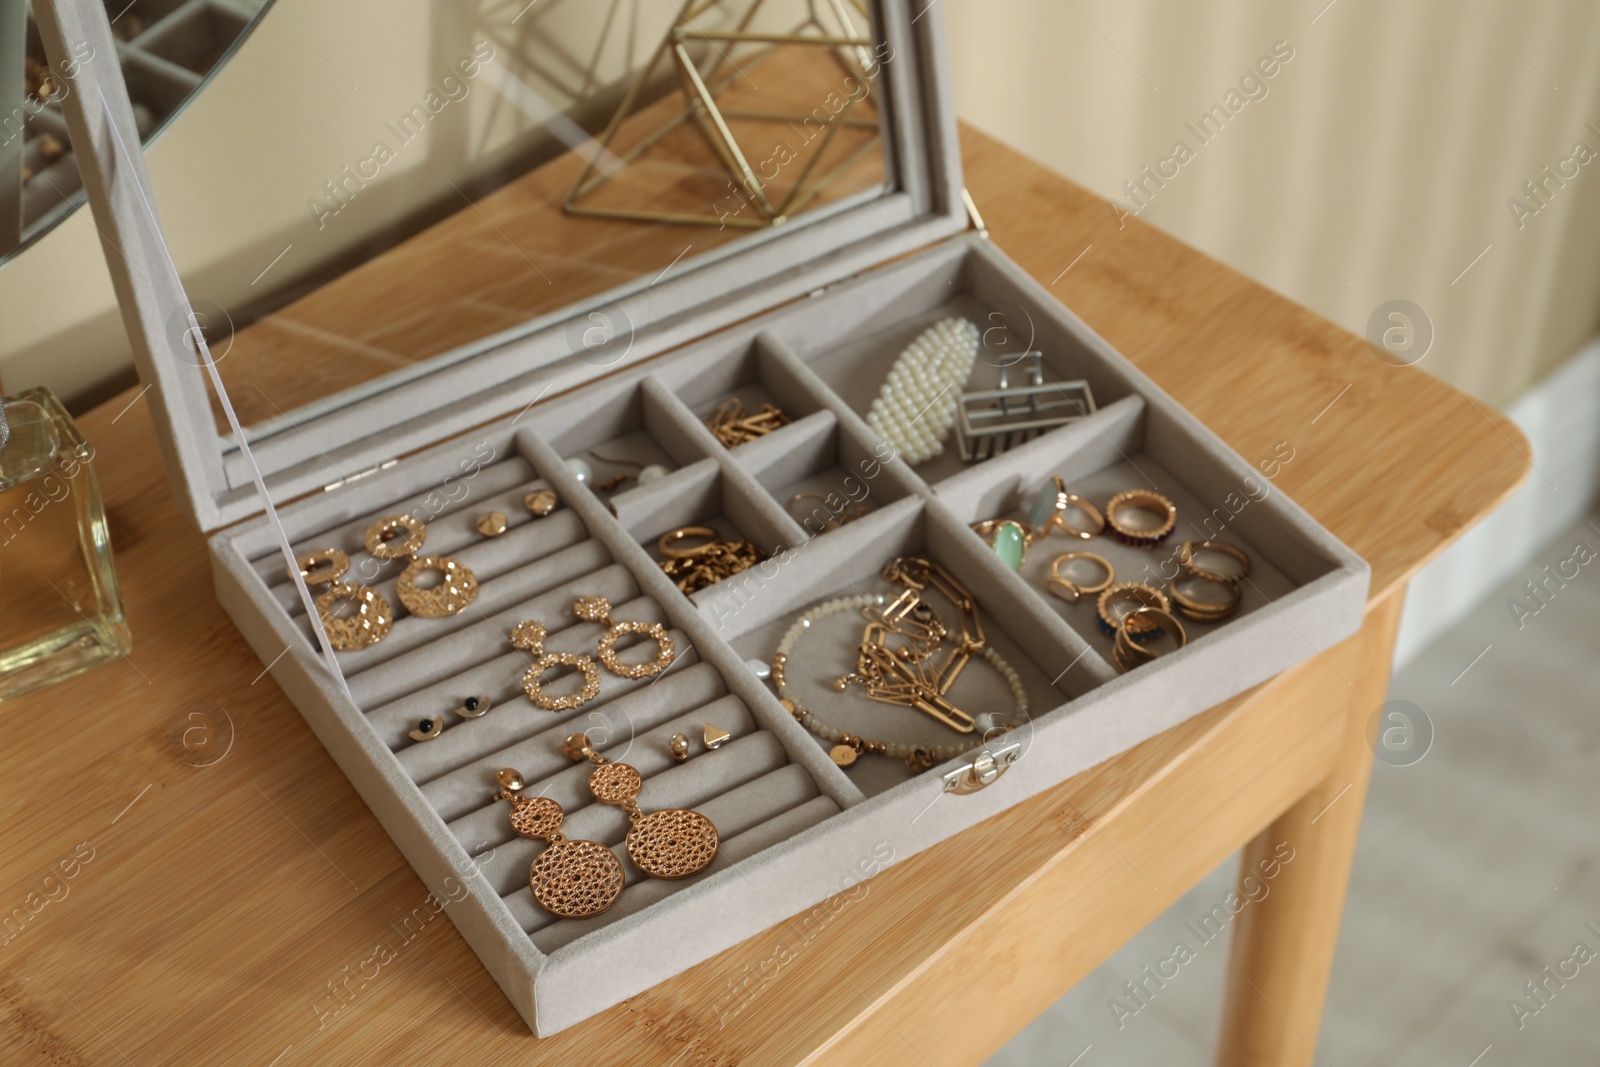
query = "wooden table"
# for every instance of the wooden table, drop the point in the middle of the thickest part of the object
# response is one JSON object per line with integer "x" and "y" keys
{"x": 232, "y": 912}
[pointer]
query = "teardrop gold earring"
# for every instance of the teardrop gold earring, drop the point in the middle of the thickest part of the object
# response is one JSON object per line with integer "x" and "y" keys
{"x": 671, "y": 843}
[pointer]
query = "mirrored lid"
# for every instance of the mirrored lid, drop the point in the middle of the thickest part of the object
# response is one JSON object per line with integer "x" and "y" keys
{"x": 400, "y": 220}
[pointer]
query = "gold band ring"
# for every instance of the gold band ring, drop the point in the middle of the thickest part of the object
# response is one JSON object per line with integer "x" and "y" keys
{"x": 1150, "y": 503}
{"x": 1069, "y": 590}
{"x": 1125, "y": 650}
{"x": 1203, "y": 610}
{"x": 669, "y": 546}
{"x": 1186, "y": 560}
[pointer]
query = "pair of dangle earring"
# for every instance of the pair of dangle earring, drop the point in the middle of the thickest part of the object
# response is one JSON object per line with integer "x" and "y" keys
{"x": 579, "y": 879}
{"x": 530, "y": 636}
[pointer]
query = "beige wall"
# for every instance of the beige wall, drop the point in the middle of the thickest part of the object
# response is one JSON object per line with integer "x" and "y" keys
{"x": 1378, "y": 164}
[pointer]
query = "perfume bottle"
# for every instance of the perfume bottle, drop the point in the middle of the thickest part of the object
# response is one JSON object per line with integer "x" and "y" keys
{"x": 60, "y": 612}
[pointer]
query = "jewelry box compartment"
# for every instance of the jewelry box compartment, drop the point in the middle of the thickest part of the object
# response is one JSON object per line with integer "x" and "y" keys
{"x": 819, "y": 360}
{"x": 814, "y": 598}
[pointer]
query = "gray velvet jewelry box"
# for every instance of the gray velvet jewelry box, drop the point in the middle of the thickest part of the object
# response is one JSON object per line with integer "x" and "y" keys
{"x": 470, "y": 431}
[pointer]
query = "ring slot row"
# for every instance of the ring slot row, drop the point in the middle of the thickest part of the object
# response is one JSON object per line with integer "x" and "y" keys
{"x": 745, "y": 837}
{"x": 566, "y": 782}
{"x": 447, "y": 535}
{"x": 682, "y": 701}
{"x": 550, "y": 590}
{"x": 468, "y": 741}
{"x": 684, "y": 786}
{"x": 435, "y": 495}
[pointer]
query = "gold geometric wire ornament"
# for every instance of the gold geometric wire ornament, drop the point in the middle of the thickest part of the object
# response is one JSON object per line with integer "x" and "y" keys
{"x": 705, "y": 88}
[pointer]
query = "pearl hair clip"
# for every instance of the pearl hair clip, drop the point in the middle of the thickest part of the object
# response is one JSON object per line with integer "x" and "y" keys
{"x": 916, "y": 407}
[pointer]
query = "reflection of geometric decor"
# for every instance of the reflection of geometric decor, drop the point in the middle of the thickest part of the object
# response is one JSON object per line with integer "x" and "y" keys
{"x": 708, "y": 103}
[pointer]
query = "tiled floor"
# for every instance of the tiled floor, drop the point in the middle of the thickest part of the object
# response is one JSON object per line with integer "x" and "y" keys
{"x": 1478, "y": 866}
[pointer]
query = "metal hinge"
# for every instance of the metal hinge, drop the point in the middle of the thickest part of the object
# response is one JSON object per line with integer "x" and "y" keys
{"x": 984, "y": 767}
{"x": 358, "y": 475}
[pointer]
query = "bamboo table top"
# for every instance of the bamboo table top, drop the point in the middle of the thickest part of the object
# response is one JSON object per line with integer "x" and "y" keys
{"x": 237, "y": 904}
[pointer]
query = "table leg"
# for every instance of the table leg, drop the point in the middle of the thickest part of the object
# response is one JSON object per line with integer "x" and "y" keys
{"x": 1283, "y": 945}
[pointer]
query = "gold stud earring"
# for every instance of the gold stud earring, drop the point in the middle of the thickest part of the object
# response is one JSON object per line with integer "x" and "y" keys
{"x": 715, "y": 736}
{"x": 671, "y": 843}
{"x": 678, "y": 747}
{"x": 570, "y": 879}
{"x": 541, "y": 502}
{"x": 598, "y": 609}
{"x": 474, "y": 708}
{"x": 529, "y": 636}
{"x": 491, "y": 523}
{"x": 428, "y": 729}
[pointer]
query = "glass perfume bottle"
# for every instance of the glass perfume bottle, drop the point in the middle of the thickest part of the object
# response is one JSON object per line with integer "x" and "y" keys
{"x": 60, "y": 612}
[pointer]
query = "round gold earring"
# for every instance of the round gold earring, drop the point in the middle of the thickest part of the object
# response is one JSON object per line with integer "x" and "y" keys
{"x": 383, "y": 538}
{"x": 322, "y": 567}
{"x": 671, "y": 843}
{"x": 366, "y": 627}
{"x": 457, "y": 589}
{"x": 570, "y": 879}
{"x": 529, "y": 636}
{"x": 598, "y": 609}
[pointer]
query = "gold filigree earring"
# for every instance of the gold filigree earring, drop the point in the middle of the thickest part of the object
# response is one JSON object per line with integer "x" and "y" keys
{"x": 570, "y": 879}
{"x": 671, "y": 843}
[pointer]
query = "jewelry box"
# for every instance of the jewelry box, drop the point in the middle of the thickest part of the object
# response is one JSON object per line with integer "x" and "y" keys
{"x": 808, "y": 316}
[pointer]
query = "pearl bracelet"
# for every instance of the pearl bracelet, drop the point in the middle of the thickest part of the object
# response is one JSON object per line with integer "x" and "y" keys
{"x": 916, "y": 407}
{"x": 847, "y": 746}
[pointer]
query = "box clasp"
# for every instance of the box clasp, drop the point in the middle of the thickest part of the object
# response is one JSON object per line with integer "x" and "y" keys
{"x": 984, "y": 767}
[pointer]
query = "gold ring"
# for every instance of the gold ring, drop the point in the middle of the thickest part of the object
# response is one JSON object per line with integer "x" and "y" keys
{"x": 381, "y": 536}
{"x": 1207, "y": 610}
{"x": 668, "y": 542}
{"x": 1127, "y": 653}
{"x": 1068, "y": 590}
{"x": 322, "y": 567}
{"x": 1186, "y": 554}
{"x": 366, "y": 627}
{"x": 1049, "y": 510}
{"x": 1148, "y": 502}
{"x": 1145, "y": 596}
{"x": 457, "y": 589}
